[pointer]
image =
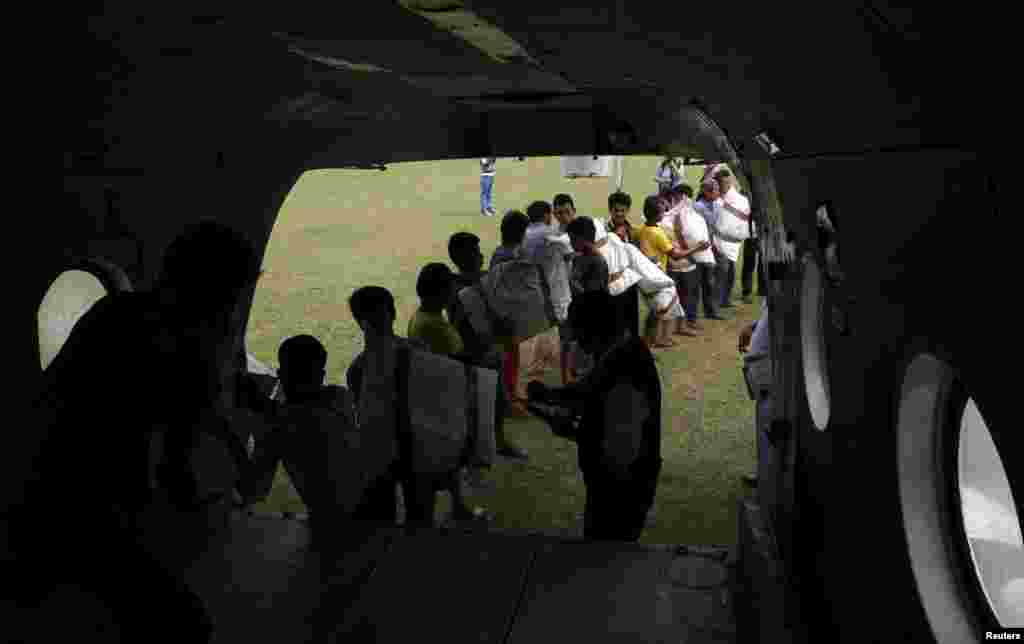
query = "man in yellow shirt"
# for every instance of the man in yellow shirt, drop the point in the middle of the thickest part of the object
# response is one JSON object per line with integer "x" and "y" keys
{"x": 655, "y": 245}
{"x": 434, "y": 287}
{"x": 428, "y": 324}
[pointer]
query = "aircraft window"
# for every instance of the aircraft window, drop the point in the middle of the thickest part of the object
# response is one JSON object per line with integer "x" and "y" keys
{"x": 812, "y": 332}
{"x": 72, "y": 294}
{"x": 990, "y": 520}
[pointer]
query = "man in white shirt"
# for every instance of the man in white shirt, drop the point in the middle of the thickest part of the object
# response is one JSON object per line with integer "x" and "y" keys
{"x": 690, "y": 229}
{"x": 486, "y": 185}
{"x": 712, "y": 207}
{"x": 734, "y": 204}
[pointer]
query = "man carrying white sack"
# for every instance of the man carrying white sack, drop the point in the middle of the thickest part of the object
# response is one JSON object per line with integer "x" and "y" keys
{"x": 627, "y": 267}
{"x": 736, "y": 207}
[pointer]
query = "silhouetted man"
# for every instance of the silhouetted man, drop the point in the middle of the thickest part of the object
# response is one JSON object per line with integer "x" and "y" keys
{"x": 464, "y": 251}
{"x": 139, "y": 368}
{"x": 614, "y": 416}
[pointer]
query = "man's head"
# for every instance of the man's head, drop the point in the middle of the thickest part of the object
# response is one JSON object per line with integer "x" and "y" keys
{"x": 619, "y": 204}
{"x": 539, "y": 212}
{"x": 434, "y": 286}
{"x": 206, "y": 271}
{"x": 724, "y": 179}
{"x": 654, "y": 207}
{"x": 709, "y": 190}
{"x": 303, "y": 363}
{"x": 373, "y": 308}
{"x": 591, "y": 316}
{"x": 564, "y": 209}
{"x": 684, "y": 191}
{"x": 464, "y": 251}
{"x": 582, "y": 234}
{"x": 513, "y": 228}
{"x": 206, "y": 268}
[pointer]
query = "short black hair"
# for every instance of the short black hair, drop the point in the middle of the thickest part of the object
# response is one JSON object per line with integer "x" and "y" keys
{"x": 562, "y": 200}
{"x": 208, "y": 264}
{"x": 620, "y": 198}
{"x": 582, "y": 227}
{"x": 513, "y": 227}
{"x": 434, "y": 280}
{"x": 368, "y": 300}
{"x": 538, "y": 211}
{"x": 302, "y": 352}
{"x": 592, "y": 314}
{"x": 459, "y": 246}
{"x": 652, "y": 207}
{"x": 684, "y": 189}
{"x": 722, "y": 172}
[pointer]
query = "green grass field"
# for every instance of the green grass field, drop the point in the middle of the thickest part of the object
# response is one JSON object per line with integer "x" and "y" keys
{"x": 342, "y": 229}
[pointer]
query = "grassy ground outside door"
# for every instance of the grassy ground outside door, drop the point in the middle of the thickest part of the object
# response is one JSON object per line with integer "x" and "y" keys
{"x": 342, "y": 229}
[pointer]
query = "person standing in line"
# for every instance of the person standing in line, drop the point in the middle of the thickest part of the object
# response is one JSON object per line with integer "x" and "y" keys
{"x": 726, "y": 249}
{"x": 683, "y": 271}
{"x": 513, "y": 234}
{"x": 487, "y": 185}
{"x": 734, "y": 204}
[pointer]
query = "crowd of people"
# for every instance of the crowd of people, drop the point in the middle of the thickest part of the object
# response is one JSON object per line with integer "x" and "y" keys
{"x": 344, "y": 463}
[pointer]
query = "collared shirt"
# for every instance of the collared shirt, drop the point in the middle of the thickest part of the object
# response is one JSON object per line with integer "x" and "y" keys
{"x": 628, "y": 229}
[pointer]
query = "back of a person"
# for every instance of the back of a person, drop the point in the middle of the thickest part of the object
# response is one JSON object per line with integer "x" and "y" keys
{"x": 504, "y": 254}
{"x": 629, "y": 362}
{"x": 652, "y": 239}
{"x": 435, "y": 332}
{"x": 589, "y": 273}
{"x": 107, "y": 400}
{"x": 318, "y": 430}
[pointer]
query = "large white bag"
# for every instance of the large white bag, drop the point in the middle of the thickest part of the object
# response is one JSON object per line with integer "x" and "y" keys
{"x": 729, "y": 224}
{"x": 435, "y": 407}
{"x": 512, "y": 300}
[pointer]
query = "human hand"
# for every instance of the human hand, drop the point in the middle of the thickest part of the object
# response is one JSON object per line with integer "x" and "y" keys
{"x": 704, "y": 245}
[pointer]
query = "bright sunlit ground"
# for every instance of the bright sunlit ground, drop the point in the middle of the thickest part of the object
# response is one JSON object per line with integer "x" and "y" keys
{"x": 342, "y": 229}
